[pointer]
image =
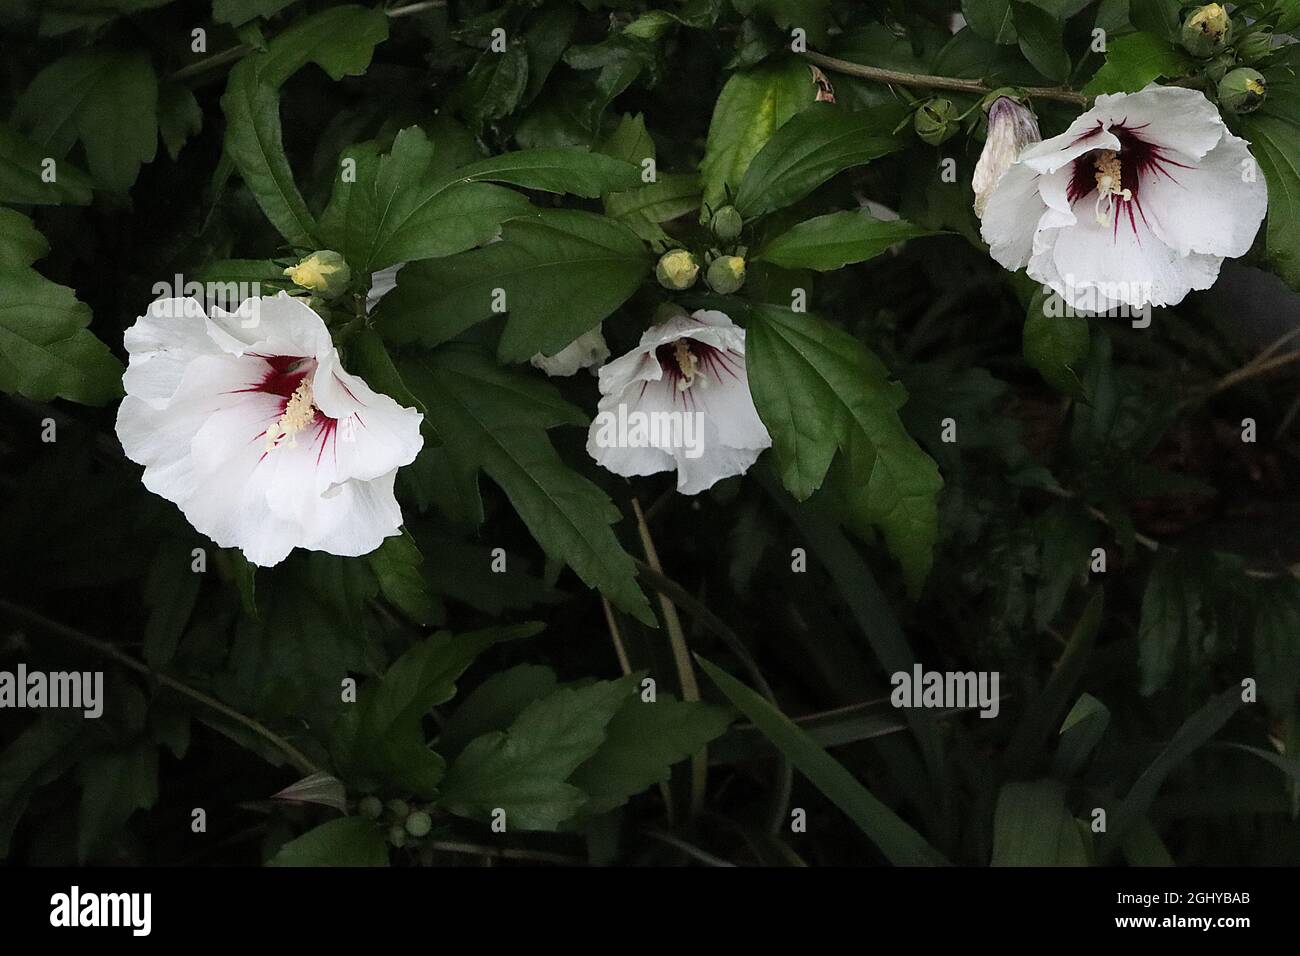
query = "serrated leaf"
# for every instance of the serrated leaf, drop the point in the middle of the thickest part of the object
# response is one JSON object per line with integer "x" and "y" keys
{"x": 398, "y": 564}
{"x": 1274, "y": 135}
{"x": 1039, "y": 36}
{"x": 561, "y": 271}
{"x": 21, "y": 243}
{"x": 643, "y": 741}
{"x": 45, "y": 349}
{"x": 752, "y": 106}
{"x": 495, "y": 419}
{"x": 1056, "y": 346}
{"x": 561, "y": 170}
{"x": 1134, "y": 60}
{"x": 380, "y": 739}
{"x": 822, "y": 140}
{"x": 114, "y": 785}
{"x": 21, "y": 174}
{"x": 524, "y": 769}
{"x": 347, "y": 841}
{"x": 108, "y": 101}
{"x": 179, "y": 116}
{"x": 991, "y": 19}
{"x": 238, "y": 12}
{"x": 835, "y": 240}
{"x": 494, "y": 704}
{"x": 819, "y": 390}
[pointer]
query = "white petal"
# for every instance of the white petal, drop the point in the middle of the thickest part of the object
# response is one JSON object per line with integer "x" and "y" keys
{"x": 369, "y": 513}
{"x": 162, "y": 342}
{"x": 1011, "y": 217}
{"x": 1215, "y": 207}
{"x": 271, "y": 325}
{"x": 381, "y": 283}
{"x": 585, "y": 351}
{"x": 1172, "y": 117}
{"x": 374, "y": 435}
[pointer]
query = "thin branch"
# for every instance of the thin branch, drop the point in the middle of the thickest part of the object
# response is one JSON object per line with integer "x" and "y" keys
{"x": 956, "y": 84}
{"x": 505, "y": 853}
{"x": 295, "y": 756}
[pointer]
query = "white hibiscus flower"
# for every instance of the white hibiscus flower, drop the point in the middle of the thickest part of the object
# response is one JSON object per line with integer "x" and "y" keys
{"x": 1136, "y": 204}
{"x": 680, "y": 400}
{"x": 258, "y": 434}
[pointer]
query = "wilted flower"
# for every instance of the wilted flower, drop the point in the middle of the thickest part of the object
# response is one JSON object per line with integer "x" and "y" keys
{"x": 1136, "y": 204}
{"x": 258, "y": 434}
{"x": 325, "y": 273}
{"x": 1242, "y": 91}
{"x": 587, "y": 350}
{"x": 680, "y": 400}
{"x": 1012, "y": 127}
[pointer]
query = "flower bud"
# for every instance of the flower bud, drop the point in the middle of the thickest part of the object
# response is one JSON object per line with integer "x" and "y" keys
{"x": 399, "y": 808}
{"x": 1207, "y": 30}
{"x": 726, "y": 224}
{"x": 1012, "y": 127}
{"x": 1256, "y": 45}
{"x": 1242, "y": 90}
{"x": 1217, "y": 68}
{"x": 677, "y": 270}
{"x": 370, "y": 807}
{"x": 726, "y": 274}
{"x": 324, "y": 273}
{"x": 936, "y": 120}
{"x": 397, "y": 835}
{"x": 419, "y": 824}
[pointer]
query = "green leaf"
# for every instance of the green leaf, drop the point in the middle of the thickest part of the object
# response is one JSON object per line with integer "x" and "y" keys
{"x": 341, "y": 40}
{"x": 832, "y": 241}
{"x": 494, "y": 704}
{"x": 643, "y": 741}
{"x": 523, "y": 770}
{"x": 21, "y": 179}
{"x": 991, "y": 19}
{"x": 108, "y": 101}
{"x": 179, "y": 116}
{"x": 672, "y": 195}
{"x": 395, "y": 208}
{"x": 379, "y": 740}
{"x": 237, "y": 12}
{"x": 561, "y": 272}
{"x": 1039, "y": 36}
{"x": 813, "y": 146}
{"x": 347, "y": 841}
{"x": 21, "y": 243}
{"x": 818, "y": 389}
{"x": 1135, "y": 60}
{"x": 255, "y": 145}
{"x": 900, "y": 844}
{"x": 397, "y": 564}
{"x": 113, "y": 786}
{"x": 45, "y": 348}
{"x": 561, "y": 170}
{"x": 171, "y": 590}
{"x": 1170, "y": 619}
{"x": 495, "y": 419}
{"x": 1195, "y": 731}
{"x": 1055, "y": 345}
{"x": 752, "y": 106}
{"x": 41, "y": 753}
{"x": 1080, "y": 732}
{"x": 496, "y": 84}
{"x": 1274, "y": 135}
{"x": 1159, "y": 17}
{"x": 1033, "y": 827}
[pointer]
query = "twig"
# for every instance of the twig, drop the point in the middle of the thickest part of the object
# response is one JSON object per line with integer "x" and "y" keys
{"x": 681, "y": 659}
{"x": 295, "y": 756}
{"x": 506, "y": 853}
{"x": 689, "y": 849}
{"x": 956, "y": 84}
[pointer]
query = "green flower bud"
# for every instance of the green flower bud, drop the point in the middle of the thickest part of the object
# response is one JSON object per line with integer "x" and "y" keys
{"x": 324, "y": 273}
{"x": 726, "y": 224}
{"x": 372, "y": 808}
{"x": 397, "y": 835}
{"x": 936, "y": 120}
{"x": 726, "y": 274}
{"x": 419, "y": 824}
{"x": 1207, "y": 30}
{"x": 1220, "y": 65}
{"x": 398, "y": 808}
{"x": 1242, "y": 90}
{"x": 1256, "y": 45}
{"x": 677, "y": 270}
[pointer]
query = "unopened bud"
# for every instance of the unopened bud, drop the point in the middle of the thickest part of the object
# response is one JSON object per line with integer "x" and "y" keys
{"x": 726, "y": 224}
{"x": 1242, "y": 90}
{"x": 936, "y": 120}
{"x": 726, "y": 274}
{"x": 324, "y": 273}
{"x": 677, "y": 270}
{"x": 419, "y": 824}
{"x": 1012, "y": 127}
{"x": 370, "y": 807}
{"x": 1207, "y": 30}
